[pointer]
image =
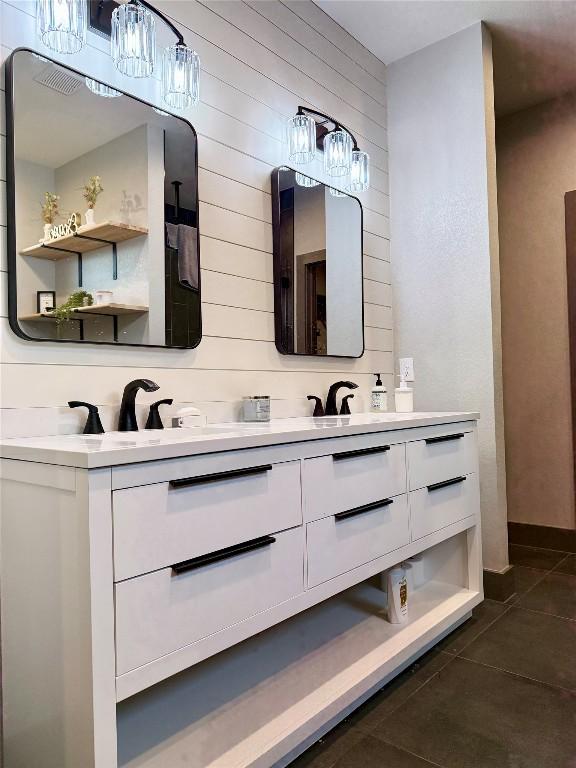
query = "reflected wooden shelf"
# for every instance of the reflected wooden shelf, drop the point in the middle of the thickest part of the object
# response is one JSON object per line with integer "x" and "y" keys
{"x": 85, "y": 313}
{"x": 85, "y": 240}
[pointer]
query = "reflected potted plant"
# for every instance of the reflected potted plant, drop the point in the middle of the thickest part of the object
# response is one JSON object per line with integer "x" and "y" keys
{"x": 91, "y": 191}
{"x": 49, "y": 212}
{"x": 79, "y": 298}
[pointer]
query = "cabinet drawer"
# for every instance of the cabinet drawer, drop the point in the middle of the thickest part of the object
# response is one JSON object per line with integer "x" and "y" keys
{"x": 441, "y": 458}
{"x": 162, "y": 611}
{"x": 157, "y": 525}
{"x": 442, "y": 504}
{"x": 350, "y": 479}
{"x": 341, "y": 542}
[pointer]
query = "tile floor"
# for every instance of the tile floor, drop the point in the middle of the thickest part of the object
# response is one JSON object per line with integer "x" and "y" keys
{"x": 499, "y": 692}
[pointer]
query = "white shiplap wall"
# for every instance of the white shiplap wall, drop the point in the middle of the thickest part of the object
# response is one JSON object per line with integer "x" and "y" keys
{"x": 259, "y": 61}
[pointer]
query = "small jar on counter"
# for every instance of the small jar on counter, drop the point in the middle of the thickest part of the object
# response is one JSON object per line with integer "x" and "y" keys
{"x": 256, "y": 408}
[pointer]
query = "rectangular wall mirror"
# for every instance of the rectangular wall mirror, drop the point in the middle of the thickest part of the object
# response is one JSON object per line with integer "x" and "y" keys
{"x": 318, "y": 276}
{"x": 103, "y": 239}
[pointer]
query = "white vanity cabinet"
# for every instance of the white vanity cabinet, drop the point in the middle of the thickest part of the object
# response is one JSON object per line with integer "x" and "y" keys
{"x": 214, "y": 599}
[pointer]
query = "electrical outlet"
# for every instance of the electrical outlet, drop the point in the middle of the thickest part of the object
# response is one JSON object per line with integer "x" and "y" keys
{"x": 407, "y": 368}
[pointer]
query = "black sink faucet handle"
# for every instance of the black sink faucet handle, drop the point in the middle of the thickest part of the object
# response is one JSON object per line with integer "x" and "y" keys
{"x": 93, "y": 424}
{"x": 318, "y": 407}
{"x": 154, "y": 419}
{"x": 345, "y": 407}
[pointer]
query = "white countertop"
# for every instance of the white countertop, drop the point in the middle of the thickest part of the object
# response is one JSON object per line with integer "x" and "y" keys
{"x": 114, "y": 448}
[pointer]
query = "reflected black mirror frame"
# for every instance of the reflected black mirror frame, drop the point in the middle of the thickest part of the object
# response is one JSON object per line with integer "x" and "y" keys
{"x": 280, "y": 307}
{"x": 11, "y": 209}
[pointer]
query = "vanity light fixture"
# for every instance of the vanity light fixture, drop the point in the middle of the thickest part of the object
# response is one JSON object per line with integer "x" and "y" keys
{"x": 342, "y": 155}
{"x": 305, "y": 181}
{"x": 62, "y": 26}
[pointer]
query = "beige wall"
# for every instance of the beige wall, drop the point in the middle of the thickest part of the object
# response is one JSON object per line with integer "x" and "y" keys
{"x": 536, "y": 152}
{"x": 259, "y": 62}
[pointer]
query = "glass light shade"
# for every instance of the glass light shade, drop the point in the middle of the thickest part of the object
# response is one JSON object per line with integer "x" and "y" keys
{"x": 337, "y": 153}
{"x": 62, "y": 24}
{"x": 100, "y": 89}
{"x": 336, "y": 193}
{"x": 305, "y": 181}
{"x": 359, "y": 172}
{"x": 133, "y": 42}
{"x": 301, "y": 138}
{"x": 180, "y": 76}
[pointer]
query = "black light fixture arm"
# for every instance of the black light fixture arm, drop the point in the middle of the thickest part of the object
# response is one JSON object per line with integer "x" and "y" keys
{"x": 160, "y": 15}
{"x": 337, "y": 124}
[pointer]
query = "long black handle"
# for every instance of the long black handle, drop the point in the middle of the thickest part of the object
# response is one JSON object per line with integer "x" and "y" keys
{"x": 364, "y": 508}
{"x": 446, "y": 483}
{"x": 184, "y": 482}
{"x": 360, "y": 452}
{"x": 222, "y": 554}
{"x": 444, "y": 438}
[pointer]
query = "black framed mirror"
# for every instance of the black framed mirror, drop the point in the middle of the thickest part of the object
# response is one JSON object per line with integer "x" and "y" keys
{"x": 102, "y": 212}
{"x": 318, "y": 268}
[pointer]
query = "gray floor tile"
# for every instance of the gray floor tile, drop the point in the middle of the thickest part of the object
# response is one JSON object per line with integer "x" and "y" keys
{"x": 530, "y": 644}
{"x": 555, "y": 594}
{"x": 471, "y": 716}
{"x": 373, "y": 753}
{"x": 482, "y": 616}
{"x": 389, "y": 698}
{"x": 568, "y": 565}
{"x": 530, "y": 557}
{"x": 525, "y": 579}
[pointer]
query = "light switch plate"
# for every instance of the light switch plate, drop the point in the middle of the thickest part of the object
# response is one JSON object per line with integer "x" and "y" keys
{"x": 407, "y": 368}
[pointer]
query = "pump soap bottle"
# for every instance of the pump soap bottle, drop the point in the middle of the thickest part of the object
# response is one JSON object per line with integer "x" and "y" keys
{"x": 378, "y": 396}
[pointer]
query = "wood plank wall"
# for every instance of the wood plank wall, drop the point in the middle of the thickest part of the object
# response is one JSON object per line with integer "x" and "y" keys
{"x": 259, "y": 61}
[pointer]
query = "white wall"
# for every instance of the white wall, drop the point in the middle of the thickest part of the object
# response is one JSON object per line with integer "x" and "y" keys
{"x": 260, "y": 60}
{"x": 445, "y": 249}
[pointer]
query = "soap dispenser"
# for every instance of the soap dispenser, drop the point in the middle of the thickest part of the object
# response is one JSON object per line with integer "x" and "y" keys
{"x": 379, "y": 396}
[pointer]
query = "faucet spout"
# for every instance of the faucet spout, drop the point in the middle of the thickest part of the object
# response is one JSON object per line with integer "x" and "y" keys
{"x": 331, "y": 406}
{"x": 127, "y": 419}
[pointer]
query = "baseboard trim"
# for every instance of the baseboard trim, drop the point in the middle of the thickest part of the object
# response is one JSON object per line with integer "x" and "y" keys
{"x": 544, "y": 536}
{"x": 499, "y": 585}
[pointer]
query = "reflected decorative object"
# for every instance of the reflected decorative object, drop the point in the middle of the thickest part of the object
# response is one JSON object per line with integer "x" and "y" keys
{"x": 342, "y": 155}
{"x": 180, "y": 76}
{"x": 100, "y": 89}
{"x": 306, "y": 181}
{"x": 337, "y": 153}
{"x": 337, "y": 193}
{"x": 63, "y": 230}
{"x": 359, "y": 172}
{"x": 133, "y": 40}
{"x": 49, "y": 212}
{"x": 61, "y": 24}
{"x": 301, "y": 135}
{"x": 90, "y": 192}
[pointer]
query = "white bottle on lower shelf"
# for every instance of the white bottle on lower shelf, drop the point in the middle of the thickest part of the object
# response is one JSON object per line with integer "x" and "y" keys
{"x": 397, "y": 590}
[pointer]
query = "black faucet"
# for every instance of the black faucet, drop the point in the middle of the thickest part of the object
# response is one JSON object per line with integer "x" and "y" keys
{"x": 331, "y": 407}
{"x": 127, "y": 418}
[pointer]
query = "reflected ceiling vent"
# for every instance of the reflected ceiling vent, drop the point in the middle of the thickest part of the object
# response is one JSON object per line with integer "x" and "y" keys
{"x": 58, "y": 80}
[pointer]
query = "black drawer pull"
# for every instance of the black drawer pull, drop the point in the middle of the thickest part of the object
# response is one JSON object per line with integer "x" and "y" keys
{"x": 360, "y": 452}
{"x": 360, "y": 510}
{"x": 446, "y": 483}
{"x": 222, "y": 554}
{"x": 444, "y": 438}
{"x": 187, "y": 481}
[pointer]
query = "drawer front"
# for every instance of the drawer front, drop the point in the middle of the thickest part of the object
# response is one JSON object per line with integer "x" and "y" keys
{"x": 165, "y": 523}
{"x": 442, "y": 504}
{"x": 162, "y": 611}
{"x": 337, "y": 544}
{"x": 441, "y": 458}
{"x": 352, "y": 478}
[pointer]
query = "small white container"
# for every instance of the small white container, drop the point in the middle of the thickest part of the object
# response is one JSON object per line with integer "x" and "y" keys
{"x": 397, "y": 591}
{"x": 378, "y": 396}
{"x": 103, "y": 297}
{"x": 404, "y": 398}
{"x": 189, "y": 417}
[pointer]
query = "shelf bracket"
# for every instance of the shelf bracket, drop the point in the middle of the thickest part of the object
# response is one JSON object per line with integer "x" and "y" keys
{"x": 105, "y": 242}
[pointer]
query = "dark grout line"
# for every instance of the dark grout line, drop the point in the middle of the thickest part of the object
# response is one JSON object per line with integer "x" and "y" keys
{"x": 571, "y": 691}
{"x": 504, "y": 612}
{"x": 540, "y": 549}
{"x": 408, "y": 752}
